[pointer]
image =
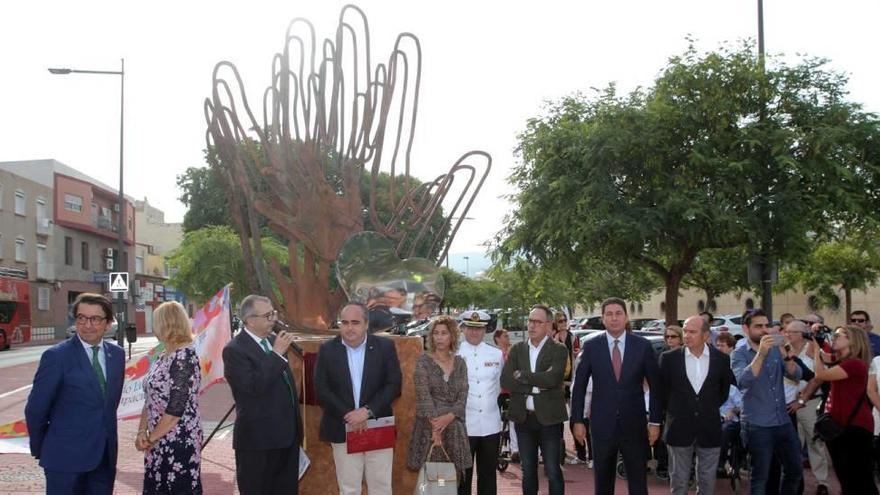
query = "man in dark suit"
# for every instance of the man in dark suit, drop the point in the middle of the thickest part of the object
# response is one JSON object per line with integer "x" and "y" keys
{"x": 618, "y": 364}
{"x": 534, "y": 374}
{"x": 71, "y": 410}
{"x": 268, "y": 427}
{"x": 696, "y": 382}
{"x": 357, "y": 377}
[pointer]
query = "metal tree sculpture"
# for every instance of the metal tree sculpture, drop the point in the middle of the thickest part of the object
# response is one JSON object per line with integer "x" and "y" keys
{"x": 299, "y": 170}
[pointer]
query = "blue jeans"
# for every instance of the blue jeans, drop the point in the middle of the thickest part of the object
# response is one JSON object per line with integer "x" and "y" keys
{"x": 531, "y": 434}
{"x": 762, "y": 442}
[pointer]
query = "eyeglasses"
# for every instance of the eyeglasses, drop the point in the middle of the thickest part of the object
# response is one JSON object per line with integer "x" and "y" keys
{"x": 858, "y": 320}
{"x": 94, "y": 320}
{"x": 538, "y": 322}
{"x": 667, "y": 337}
{"x": 271, "y": 315}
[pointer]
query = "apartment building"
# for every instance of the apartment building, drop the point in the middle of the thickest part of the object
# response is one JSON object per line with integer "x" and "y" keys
{"x": 73, "y": 226}
{"x": 155, "y": 240}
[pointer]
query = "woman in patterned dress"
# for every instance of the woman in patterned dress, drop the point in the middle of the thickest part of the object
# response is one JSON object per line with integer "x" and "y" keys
{"x": 441, "y": 396}
{"x": 170, "y": 432}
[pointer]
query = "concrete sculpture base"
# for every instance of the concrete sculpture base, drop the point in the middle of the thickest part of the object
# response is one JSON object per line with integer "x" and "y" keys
{"x": 321, "y": 475}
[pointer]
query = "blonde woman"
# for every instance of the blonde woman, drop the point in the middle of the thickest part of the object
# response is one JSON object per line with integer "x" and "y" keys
{"x": 441, "y": 396}
{"x": 170, "y": 432}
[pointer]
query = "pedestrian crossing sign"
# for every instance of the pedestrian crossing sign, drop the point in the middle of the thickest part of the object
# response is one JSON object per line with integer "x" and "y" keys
{"x": 118, "y": 281}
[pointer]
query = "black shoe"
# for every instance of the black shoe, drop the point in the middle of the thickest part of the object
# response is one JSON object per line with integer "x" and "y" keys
{"x": 514, "y": 457}
{"x": 662, "y": 473}
{"x": 821, "y": 490}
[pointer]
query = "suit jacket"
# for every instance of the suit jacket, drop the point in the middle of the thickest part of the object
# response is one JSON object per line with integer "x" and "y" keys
{"x": 266, "y": 417}
{"x": 692, "y": 416}
{"x": 380, "y": 383}
{"x": 548, "y": 377}
{"x": 69, "y": 419}
{"x": 613, "y": 400}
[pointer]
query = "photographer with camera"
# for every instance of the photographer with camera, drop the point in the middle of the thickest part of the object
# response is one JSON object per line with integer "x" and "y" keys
{"x": 759, "y": 367}
{"x": 849, "y": 408}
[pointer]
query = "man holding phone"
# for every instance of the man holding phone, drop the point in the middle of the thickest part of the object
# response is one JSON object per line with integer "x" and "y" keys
{"x": 759, "y": 368}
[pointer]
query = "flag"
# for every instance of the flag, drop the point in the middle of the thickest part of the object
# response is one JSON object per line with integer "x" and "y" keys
{"x": 212, "y": 330}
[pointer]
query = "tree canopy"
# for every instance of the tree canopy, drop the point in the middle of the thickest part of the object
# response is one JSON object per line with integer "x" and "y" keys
{"x": 718, "y": 153}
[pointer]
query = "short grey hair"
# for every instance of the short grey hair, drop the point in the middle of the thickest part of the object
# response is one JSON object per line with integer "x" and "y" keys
{"x": 246, "y": 308}
{"x": 361, "y": 305}
{"x": 797, "y": 326}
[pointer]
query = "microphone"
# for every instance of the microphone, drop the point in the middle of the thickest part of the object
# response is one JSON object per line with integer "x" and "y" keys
{"x": 280, "y": 325}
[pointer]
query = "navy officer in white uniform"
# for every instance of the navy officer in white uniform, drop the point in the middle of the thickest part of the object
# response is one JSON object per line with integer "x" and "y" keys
{"x": 483, "y": 418}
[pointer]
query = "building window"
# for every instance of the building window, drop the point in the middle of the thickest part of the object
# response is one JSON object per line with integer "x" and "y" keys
{"x": 1, "y": 245}
{"x": 68, "y": 251}
{"x": 139, "y": 264}
{"x": 85, "y": 255}
{"x": 43, "y": 298}
{"x": 1, "y": 196}
{"x": 42, "y": 262}
{"x": 41, "y": 209}
{"x": 19, "y": 202}
{"x": 73, "y": 202}
{"x": 19, "y": 250}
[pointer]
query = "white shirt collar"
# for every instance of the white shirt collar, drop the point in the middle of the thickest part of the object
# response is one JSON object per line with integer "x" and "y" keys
{"x": 257, "y": 339}
{"x": 540, "y": 344}
{"x": 357, "y": 347}
{"x": 688, "y": 353}
{"x": 87, "y": 346}
{"x": 621, "y": 340}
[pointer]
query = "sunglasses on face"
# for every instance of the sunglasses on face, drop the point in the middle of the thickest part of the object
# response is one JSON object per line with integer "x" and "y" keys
{"x": 858, "y": 320}
{"x": 667, "y": 337}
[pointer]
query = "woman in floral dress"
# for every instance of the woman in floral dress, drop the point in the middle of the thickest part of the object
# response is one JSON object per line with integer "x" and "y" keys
{"x": 170, "y": 432}
{"x": 441, "y": 395}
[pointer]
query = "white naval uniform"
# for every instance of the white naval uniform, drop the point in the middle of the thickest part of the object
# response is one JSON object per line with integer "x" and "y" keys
{"x": 484, "y": 364}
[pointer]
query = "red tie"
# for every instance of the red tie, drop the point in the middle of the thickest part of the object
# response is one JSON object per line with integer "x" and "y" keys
{"x": 616, "y": 360}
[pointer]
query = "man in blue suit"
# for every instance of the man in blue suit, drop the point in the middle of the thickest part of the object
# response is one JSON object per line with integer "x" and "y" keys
{"x": 71, "y": 410}
{"x": 619, "y": 364}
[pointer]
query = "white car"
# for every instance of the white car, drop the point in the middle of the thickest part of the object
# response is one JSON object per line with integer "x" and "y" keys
{"x": 728, "y": 323}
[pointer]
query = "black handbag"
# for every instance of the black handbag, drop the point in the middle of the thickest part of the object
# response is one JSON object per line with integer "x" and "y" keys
{"x": 825, "y": 427}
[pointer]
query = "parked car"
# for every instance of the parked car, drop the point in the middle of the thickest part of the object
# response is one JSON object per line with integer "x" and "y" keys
{"x": 592, "y": 323}
{"x": 639, "y": 323}
{"x": 658, "y": 326}
{"x": 728, "y": 323}
{"x": 657, "y": 342}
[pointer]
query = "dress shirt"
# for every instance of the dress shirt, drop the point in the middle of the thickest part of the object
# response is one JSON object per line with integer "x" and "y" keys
{"x": 697, "y": 367}
{"x": 259, "y": 341}
{"x": 484, "y": 363}
{"x": 621, "y": 344}
{"x": 102, "y": 359}
{"x": 764, "y": 395}
{"x": 533, "y": 363}
{"x": 356, "y": 367}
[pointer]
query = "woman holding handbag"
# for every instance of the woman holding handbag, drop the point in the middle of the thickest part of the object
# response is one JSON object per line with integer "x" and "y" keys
{"x": 441, "y": 396}
{"x": 850, "y": 409}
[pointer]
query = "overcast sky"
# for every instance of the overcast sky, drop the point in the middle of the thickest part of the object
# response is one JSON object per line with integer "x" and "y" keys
{"x": 487, "y": 68}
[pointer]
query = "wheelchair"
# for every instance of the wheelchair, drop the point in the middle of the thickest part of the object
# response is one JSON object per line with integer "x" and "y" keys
{"x": 504, "y": 436}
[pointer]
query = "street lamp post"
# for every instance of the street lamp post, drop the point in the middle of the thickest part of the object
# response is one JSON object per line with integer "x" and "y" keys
{"x": 467, "y": 266}
{"x": 117, "y": 258}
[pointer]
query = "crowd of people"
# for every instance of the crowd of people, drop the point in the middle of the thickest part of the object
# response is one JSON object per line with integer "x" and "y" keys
{"x": 708, "y": 406}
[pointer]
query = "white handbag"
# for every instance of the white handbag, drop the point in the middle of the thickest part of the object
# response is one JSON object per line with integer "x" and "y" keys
{"x": 437, "y": 478}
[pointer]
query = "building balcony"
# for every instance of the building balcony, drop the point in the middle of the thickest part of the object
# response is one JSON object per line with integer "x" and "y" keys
{"x": 44, "y": 226}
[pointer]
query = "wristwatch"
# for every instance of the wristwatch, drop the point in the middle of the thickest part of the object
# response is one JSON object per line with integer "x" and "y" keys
{"x": 370, "y": 414}
{"x": 802, "y": 402}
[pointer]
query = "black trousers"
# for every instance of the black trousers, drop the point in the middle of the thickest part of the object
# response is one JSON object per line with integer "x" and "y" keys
{"x": 484, "y": 451}
{"x": 268, "y": 472}
{"x": 851, "y": 458}
{"x": 633, "y": 446}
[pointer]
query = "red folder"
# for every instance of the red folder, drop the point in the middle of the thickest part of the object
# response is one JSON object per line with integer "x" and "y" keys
{"x": 379, "y": 434}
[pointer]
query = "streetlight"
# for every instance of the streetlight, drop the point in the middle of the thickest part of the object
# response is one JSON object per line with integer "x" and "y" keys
{"x": 447, "y": 251}
{"x": 467, "y": 266}
{"x": 117, "y": 258}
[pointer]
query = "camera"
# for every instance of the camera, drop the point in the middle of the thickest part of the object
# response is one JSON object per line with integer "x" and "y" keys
{"x": 820, "y": 335}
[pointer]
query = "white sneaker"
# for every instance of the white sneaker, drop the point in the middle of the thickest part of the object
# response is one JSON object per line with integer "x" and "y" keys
{"x": 590, "y": 464}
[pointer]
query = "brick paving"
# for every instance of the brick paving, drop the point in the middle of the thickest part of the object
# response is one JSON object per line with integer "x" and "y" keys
{"x": 20, "y": 474}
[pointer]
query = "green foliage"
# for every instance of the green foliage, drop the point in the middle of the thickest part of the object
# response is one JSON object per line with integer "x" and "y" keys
{"x": 202, "y": 193}
{"x": 719, "y": 271}
{"x": 717, "y": 154}
{"x": 211, "y": 257}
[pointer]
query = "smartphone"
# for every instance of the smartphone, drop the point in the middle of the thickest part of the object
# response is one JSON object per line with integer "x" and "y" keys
{"x": 778, "y": 339}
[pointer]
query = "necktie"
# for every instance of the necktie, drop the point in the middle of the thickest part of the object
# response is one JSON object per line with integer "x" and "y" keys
{"x": 98, "y": 371}
{"x": 616, "y": 360}
{"x": 265, "y": 344}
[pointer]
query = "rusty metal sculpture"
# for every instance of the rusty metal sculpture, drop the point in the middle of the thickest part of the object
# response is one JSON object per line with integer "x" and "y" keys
{"x": 299, "y": 170}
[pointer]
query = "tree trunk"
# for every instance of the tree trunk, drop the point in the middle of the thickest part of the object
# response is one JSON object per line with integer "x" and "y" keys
{"x": 673, "y": 283}
{"x": 847, "y": 295}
